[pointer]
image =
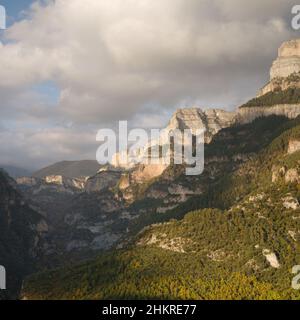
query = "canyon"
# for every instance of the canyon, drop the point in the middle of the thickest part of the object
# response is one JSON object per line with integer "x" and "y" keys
{"x": 85, "y": 208}
{"x": 100, "y": 210}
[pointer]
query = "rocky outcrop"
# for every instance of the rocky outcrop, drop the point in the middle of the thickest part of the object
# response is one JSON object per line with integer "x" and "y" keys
{"x": 76, "y": 183}
{"x": 102, "y": 180}
{"x": 271, "y": 258}
{"x": 288, "y": 60}
{"x": 140, "y": 174}
{"x": 27, "y": 181}
{"x": 211, "y": 121}
{"x": 60, "y": 183}
{"x": 285, "y": 70}
{"x": 277, "y": 173}
{"x": 292, "y": 176}
{"x": 218, "y": 255}
{"x": 288, "y": 175}
{"x": 289, "y": 202}
{"x": 294, "y": 146}
{"x": 177, "y": 244}
{"x": 54, "y": 179}
{"x": 144, "y": 173}
{"x": 194, "y": 119}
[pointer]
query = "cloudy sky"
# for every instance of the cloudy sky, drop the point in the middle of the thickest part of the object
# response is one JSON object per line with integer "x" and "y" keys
{"x": 71, "y": 67}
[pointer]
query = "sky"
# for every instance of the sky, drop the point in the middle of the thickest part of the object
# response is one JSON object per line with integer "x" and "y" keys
{"x": 15, "y": 9}
{"x": 71, "y": 67}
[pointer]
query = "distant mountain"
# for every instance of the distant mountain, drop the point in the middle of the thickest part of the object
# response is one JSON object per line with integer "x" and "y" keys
{"x": 16, "y": 172}
{"x": 69, "y": 169}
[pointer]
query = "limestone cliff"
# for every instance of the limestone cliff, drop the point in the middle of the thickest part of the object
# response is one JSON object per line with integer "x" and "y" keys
{"x": 281, "y": 95}
{"x": 247, "y": 115}
{"x": 288, "y": 60}
{"x": 211, "y": 120}
{"x": 285, "y": 70}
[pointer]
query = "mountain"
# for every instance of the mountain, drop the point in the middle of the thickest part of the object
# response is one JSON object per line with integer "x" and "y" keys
{"x": 16, "y": 172}
{"x": 242, "y": 244}
{"x": 211, "y": 120}
{"x": 284, "y": 68}
{"x": 69, "y": 169}
{"x": 230, "y": 233}
{"x": 21, "y": 233}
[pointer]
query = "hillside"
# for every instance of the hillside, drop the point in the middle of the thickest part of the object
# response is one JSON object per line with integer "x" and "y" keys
{"x": 69, "y": 169}
{"x": 244, "y": 248}
{"x": 114, "y": 206}
{"x": 230, "y": 233}
{"x": 280, "y": 97}
{"x": 21, "y": 230}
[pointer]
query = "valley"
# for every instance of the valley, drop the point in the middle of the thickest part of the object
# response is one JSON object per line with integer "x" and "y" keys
{"x": 152, "y": 232}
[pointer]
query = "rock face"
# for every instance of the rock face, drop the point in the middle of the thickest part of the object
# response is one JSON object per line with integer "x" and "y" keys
{"x": 289, "y": 202}
{"x": 271, "y": 258}
{"x": 102, "y": 180}
{"x": 144, "y": 173}
{"x": 285, "y": 70}
{"x": 284, "y": 75}
{"x": 54, "y": 183}
{"x": 294, "y": 146}
{"x": 288, "y": 60}
{"x": 212, "y": 120}
{"x": 289, "y": 176}
{"x": 249, "y": 114}
{"x": 292, "y": 176}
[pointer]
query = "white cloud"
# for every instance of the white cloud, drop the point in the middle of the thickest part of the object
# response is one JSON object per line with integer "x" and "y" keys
{"x": 113, "y": 59}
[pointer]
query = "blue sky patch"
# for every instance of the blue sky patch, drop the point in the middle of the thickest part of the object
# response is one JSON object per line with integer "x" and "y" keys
{"x": 49, "y": 90}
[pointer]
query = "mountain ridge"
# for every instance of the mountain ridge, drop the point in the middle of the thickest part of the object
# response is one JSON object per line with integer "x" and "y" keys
{"x": 242, "y": 251}
{"x": 69, "y": 169}
{"x": 230, "y": 233}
